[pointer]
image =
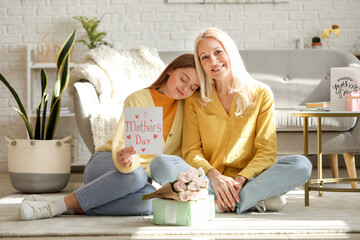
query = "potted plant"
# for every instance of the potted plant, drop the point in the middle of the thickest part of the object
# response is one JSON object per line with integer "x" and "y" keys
{"x": 316, "y": 43}
{"x": 40, "y": 163}
{"x": 90, "y": 26}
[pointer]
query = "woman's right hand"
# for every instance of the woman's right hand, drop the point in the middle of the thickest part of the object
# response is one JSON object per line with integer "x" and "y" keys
{"x": 226, "y": 190}
{"x": 124, "y": 156}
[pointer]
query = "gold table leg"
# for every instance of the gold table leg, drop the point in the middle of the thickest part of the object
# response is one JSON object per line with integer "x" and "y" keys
{"x": 319, "y": 154}
{"x": 306, "y": 154}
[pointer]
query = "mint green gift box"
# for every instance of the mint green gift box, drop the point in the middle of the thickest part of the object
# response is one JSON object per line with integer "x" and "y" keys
{"x": 188, "y": 213}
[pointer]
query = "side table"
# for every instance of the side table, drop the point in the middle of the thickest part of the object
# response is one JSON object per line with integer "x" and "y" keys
{"x": 320, "y": 180}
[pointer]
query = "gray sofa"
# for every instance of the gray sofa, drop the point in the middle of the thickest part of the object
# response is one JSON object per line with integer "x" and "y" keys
{"x": 295, "y": 77}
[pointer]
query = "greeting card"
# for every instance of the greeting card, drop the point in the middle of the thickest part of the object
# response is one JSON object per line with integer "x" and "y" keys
{"x": 144, "y": 129}
{"x": 344, "y": 80}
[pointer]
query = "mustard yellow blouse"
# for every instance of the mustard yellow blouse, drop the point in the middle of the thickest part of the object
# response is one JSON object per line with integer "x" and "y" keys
{"x": 244, "y": 145}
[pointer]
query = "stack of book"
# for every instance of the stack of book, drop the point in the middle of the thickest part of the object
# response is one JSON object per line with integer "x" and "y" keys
{"x": 317, "y": 106}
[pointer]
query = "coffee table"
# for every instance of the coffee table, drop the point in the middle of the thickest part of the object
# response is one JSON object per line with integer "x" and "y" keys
{"x": 320, "y": 180}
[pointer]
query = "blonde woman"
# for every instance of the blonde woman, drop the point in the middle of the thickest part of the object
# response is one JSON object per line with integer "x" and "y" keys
{"x": 229, "y": 131}
{"x": 114, "y": 181}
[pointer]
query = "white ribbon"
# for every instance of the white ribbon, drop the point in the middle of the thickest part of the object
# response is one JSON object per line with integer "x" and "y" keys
{"x": 170, "y": 211}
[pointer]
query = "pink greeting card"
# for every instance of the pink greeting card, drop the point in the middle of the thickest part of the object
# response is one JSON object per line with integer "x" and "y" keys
{"x": 144, "y": 129}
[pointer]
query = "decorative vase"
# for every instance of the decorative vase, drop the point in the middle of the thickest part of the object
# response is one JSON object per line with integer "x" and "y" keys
{"x": 39, "y": 166}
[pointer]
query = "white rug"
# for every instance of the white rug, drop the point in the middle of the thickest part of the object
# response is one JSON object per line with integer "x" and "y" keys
{"x": 334, "y": 213}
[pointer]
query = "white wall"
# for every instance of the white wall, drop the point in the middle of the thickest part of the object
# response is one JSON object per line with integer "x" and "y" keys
{"x": 155, "y": 23}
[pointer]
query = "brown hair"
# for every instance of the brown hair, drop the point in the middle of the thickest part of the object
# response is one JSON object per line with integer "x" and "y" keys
{"x": 186, "y": 60}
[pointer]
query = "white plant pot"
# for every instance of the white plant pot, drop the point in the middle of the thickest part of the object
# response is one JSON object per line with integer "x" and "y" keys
{"x": 39, "y": 166}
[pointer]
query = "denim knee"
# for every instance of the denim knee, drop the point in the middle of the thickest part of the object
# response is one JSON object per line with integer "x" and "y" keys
{"x": 302, "y": 165}
{"x": 165, "y": 168}
{"x": 158, "y": 163}
{"x": 137, "y": 178}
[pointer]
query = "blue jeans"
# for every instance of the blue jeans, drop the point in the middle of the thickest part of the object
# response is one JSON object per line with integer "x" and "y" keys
{"x": 107, "y": 191}
{"x": 287, "y": 173}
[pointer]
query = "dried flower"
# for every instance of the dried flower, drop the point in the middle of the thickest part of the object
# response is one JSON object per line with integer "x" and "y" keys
{"x": 326, "y": 34}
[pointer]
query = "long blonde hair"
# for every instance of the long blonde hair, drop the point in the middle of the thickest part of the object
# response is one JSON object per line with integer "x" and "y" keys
{"x": 244, "y": 85}
{"x": 186, "y": 60}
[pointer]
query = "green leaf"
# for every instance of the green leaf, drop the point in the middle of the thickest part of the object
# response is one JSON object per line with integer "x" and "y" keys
{"x": 64, "y": 74}
{"x": 44, "y": 81}
{"x": 65, "y": 49}
{"x": 22, "y": 111}
{"x": 100, "y": 36}
{"x": 81, "y": 18}
{"x": 14, "y": 93}
{"x": 62, "y": 79}
{"x": 87, "y": 44}
{"x": 52, "y": 120}
{"x": 27, "y": 123}
{"x": 37, "y": 124}
{"x": 92, "y": 23}
{"x": 45, "y": 97}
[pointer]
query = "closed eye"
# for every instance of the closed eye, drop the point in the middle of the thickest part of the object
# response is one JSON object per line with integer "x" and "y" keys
{"x": 194, "y": 88}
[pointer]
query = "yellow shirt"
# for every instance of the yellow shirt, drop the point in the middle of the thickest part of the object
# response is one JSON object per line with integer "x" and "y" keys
{"x": 169, "y": 106}
{"x": 171, "y": 146}
{"x": 244, "y": 145}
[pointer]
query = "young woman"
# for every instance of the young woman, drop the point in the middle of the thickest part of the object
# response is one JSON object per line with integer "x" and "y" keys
{"x": 229, "y": 131}
{"x": 114, "y": 182}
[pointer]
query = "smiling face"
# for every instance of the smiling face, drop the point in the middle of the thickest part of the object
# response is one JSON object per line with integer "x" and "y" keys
{"x": 181, "y": 84}
{"x": 214, "y": 59}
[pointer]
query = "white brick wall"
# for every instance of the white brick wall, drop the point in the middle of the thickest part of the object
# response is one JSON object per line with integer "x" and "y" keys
{"x": 155, "y": 23}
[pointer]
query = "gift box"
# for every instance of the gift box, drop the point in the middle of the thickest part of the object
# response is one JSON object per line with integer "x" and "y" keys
{"x": 183, "y": 213}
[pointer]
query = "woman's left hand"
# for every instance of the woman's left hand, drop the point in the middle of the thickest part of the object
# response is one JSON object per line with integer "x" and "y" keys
{"x": 226, "y": 190}
{"x": 241, "y": 181}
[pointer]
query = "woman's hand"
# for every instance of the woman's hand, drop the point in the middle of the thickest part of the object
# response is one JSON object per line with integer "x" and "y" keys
{"x": 240, "y": 180}
{"x": 124, "y": 156}
{"x": 226, "y": 190}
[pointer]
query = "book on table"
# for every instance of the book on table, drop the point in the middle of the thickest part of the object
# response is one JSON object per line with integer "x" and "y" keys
{"x": 315, "y": 106}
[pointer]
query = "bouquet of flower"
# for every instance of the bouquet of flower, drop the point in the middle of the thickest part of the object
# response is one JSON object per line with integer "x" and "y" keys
{"x": 189, "y": 185}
